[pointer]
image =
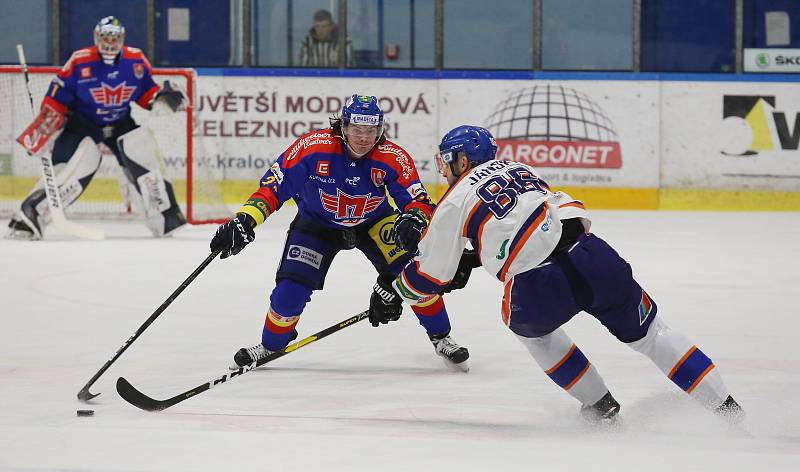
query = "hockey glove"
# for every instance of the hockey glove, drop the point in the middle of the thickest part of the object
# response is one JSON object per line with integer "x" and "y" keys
{"x": 234, "y": 235}
{"x": 469, "y": 260}
{"x": 408, "y": 229}
{"x": 385, "y": 304}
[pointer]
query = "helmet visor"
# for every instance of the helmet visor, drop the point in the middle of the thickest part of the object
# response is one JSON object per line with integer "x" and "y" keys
{"x": 443, "y": 159}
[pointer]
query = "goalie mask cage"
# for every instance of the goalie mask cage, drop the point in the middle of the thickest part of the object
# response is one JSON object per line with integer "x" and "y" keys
{"x": 198, "y": 186}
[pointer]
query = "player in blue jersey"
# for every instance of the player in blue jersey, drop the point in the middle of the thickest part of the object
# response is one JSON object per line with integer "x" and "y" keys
{"x": 537, "y": 242}
{"x": 339, "y": 178}
{"x": 91, "y": 96}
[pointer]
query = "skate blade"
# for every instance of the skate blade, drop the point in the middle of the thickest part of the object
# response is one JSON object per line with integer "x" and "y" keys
{"x": 16, "y": 235}
{"x": 462, "y": 367}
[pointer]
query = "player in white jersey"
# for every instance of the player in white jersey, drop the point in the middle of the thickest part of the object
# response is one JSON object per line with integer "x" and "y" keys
{"x": 537, "y": 242}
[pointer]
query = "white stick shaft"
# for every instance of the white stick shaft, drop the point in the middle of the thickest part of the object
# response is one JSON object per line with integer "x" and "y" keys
{"x": 21, "y": 55}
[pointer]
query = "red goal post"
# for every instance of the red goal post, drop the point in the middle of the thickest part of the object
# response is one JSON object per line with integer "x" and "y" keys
{"x": 197, "y": 188}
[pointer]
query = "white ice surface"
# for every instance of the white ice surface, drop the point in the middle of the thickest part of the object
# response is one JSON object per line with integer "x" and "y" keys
{"x": 368, "y": 399}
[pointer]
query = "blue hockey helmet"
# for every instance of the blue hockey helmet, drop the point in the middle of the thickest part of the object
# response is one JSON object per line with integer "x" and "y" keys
{"x": 362, "y": 110}
{"x": 109, "y": 36}
{"x": 476, "y": 142}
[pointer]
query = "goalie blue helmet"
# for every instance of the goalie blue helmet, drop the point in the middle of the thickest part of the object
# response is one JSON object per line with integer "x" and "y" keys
{"x": 476, "y": 142}
{"x": 362, "y": 110}
{"x": 109, "y": 36}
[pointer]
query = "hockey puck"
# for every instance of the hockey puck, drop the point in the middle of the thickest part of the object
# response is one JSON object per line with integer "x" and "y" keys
{"x": 85, "y": 412}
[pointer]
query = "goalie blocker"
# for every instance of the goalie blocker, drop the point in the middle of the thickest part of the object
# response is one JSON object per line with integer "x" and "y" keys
{"x": 76, "y": 158}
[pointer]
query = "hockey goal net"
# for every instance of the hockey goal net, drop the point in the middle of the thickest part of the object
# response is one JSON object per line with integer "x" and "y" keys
{"x": 197, "y": 188}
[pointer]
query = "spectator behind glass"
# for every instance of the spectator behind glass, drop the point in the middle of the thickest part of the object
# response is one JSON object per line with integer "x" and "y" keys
{"x": 320, "y": 47}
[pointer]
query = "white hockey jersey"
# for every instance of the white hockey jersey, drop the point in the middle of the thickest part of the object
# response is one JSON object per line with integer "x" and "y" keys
{"x": 508, "y": 213}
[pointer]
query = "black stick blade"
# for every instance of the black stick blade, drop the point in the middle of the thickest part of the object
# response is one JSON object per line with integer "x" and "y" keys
{"x": 130, "y": 394}
{"x": 85, "y": 395}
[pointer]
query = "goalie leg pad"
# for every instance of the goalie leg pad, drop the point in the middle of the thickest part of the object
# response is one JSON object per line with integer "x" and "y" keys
{"x": 139, "y": 156}
{"x": 76, "y": 159}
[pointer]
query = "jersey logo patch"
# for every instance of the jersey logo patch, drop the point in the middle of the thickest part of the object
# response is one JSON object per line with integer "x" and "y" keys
{"x": 112, "y": 96}
{"x": 381, "y": 233}
{"x": 323, "y": 168}
{"x": 86, "y": 72}
{"x": 645, "y": 307}
{"x": 349, "y": 210}
{"x": 138, "y": 70}
{"x": 502, "y": 254}
{"x": 304, "y": 255}
{"x": 378, "y": 177}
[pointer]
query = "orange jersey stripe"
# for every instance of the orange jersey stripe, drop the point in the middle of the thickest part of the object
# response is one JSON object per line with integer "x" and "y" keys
{"x": 573, "y": 204}
{"x": 469, "y": 217}
{"x": 533, "y": 227}
{"x": 506, "y": 310}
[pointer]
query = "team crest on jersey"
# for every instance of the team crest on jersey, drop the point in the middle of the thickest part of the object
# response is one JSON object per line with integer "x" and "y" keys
{"x": 86, "y": 72}
{"x": 112, "y": 96}
{"x": 138, "y": 70}
{"x": 378, "y": 177}
{"x": 349, "y": 210}
{"x": 645, "y": 308}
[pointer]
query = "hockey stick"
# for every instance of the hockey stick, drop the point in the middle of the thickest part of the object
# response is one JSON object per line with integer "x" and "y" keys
{"x": 138, "y": 399}
{"x": 50, "y": 184}
{"x": 85, "y": 394}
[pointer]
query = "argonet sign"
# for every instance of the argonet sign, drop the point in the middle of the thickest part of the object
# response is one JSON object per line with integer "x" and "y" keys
{"x": 575, "y": 154}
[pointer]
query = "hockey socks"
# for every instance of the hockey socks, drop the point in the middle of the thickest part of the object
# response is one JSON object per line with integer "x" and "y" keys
{"x": 287, "y": 302}
{"x": 683, "y": 363}
{"x": 432, "y": 315}
{"x": 566, "y": 365}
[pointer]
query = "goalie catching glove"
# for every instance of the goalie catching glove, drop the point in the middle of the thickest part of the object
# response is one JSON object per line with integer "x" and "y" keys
{"x": 171, "y": 97}
{"x": 408, "y": 229}
{"x": 233, "y": 236}
{"x": 385, "y": 304}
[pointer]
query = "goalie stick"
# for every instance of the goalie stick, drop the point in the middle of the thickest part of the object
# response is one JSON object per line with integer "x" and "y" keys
{"x": 84, "y": 394}
{"x": 60, "y": 221}
{"x": 138, "y": 399}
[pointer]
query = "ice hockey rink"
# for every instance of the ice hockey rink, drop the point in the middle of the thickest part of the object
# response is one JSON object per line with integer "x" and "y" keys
{"x": 378, "y": 399}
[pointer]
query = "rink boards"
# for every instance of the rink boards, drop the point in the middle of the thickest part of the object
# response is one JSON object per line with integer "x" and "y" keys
{"x": 614, "y": 140}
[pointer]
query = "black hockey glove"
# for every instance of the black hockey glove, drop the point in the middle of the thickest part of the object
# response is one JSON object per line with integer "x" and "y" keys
{"x": 408, "y": 229}
{"x": 469, "y": 260}
{"x": 170, "y": 96}
{"x": 234, "y": 235}
{"x": 385, "y": 304}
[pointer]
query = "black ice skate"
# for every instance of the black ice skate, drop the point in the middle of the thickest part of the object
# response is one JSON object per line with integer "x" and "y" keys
{"x": 604, "y": 411}
{"x": 17, "y": 229}
{"x": 29, "y": 216}
{"x": 454, "y": 356}
{"x": 248, "y": 355}
{"x": 730, "y": 411}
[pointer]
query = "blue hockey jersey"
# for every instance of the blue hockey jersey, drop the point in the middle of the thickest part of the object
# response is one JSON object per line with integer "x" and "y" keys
{"x": 100, "y": 92}
{"x": 333, "y": 189}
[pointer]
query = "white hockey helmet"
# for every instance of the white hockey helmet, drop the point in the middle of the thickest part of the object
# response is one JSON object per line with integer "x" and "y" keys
{"x": 109, "y": 36}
